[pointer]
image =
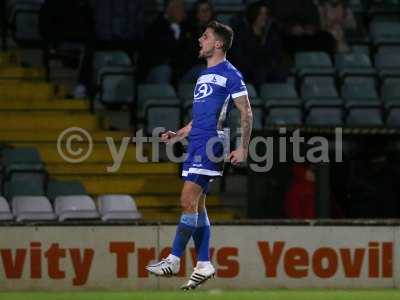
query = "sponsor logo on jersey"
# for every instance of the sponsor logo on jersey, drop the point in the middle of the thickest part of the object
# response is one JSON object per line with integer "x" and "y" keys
{"x": 202, "y": 90}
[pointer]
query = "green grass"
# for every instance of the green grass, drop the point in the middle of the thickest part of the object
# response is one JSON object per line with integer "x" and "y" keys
{"x": 383, "y": 294}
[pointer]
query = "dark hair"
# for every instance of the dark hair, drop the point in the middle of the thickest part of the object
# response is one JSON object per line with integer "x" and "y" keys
{"x": 224, "y": 32}
{"x": 253, "y": 10}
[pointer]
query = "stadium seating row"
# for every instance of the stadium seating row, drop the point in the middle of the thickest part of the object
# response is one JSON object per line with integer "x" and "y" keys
{"x": 313, "y": 69}
{"x": 23, "y": 15}
{"x": 386, "y": 64}
{"x": 24, "y": 173}
{"x": 314, "y": 113}
{"x": 74, "y": 207}
{"x": 319, "y": 103}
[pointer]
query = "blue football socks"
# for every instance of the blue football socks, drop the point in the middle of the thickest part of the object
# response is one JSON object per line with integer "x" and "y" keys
{"x": 201, "y": 237}
{"x": 184, "y": 232}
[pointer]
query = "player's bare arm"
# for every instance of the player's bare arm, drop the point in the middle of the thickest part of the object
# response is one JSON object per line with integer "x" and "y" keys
{"x": 246, "y": 123}
{"x": 172, "y": 137}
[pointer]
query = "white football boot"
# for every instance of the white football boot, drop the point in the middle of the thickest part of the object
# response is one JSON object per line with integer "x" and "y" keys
{"x": 167, "y": 267}
{"x": 200, "y": 275}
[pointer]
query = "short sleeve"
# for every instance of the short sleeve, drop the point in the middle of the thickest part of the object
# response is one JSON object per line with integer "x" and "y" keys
{"x": 236, "y": 86}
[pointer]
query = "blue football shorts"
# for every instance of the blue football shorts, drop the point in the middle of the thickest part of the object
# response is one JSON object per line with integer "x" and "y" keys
{"x": 205, "y": 159}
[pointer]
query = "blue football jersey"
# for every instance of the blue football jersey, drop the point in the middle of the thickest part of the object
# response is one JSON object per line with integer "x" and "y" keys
{"x": 214, "y": 93}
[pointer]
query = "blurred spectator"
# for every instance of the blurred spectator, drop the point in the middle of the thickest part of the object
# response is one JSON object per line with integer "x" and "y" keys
{"x": 118, "y": 25}
{"x": 63, "y": 21}
{"x": 202, "y": 13}
{"x": 301, "y": 24}
{"x": 65, "y": 26}
{"x": 119, "y": 22}
{"x": 300, "y": 198}
{"x": 161, "y": 54}
{"x": 337, "y": 18}
{"x": 257, "y": 49}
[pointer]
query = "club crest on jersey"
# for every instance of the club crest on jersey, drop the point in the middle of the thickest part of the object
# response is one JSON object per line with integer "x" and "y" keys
{"x": 203, "y": 90}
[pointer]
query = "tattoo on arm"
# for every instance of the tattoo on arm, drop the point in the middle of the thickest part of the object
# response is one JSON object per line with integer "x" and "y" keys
{"x": 246, "y": 120}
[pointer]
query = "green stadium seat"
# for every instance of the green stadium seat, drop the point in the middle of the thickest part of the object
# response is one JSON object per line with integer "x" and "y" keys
{"x": 20, "y": 155}
{"x": 391, "y": 98}
{"x": 384, "y": 10}
{"x": 391, "y": 91}
{"x": 359, "y": 89}
{"x": 322, "y": 103}
{"x": 115, "y": 77}
{"x": 284, "y": 116}
{"x": 388, "y": 65}
{"x": 24, "y": 19}
{"x": 319, "y": 89}
{"x": 116, "y": 85}
{"x": 313, "y": 64}
{"x": 57, "y": 188}
{"x": 29, "y": 186}
{"x": 276, "y": 91}
{"x": 111, "y": 58}
{"x": 362, "y": 102}
{"x": 324, "y": 116}
{"x": 21, "y": 160}
{"x": 166, "y": 114}
{"x": 364, "y": 117}
{"x": 148, "y": 92}
{"x": 385, "y": 33}
{"x": 362, "y": 49}
{"x": 323, "y": 80}
{"x": 389, "y": 49}
{"x": 354, "y": 64}
{"x": 283, "y": 112}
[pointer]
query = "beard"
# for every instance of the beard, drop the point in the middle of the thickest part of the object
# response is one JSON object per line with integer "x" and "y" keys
{"x": 206, "y": 54}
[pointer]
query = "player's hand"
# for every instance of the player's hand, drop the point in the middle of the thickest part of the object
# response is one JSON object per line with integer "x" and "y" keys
{"x": 166, "y": 137}
{"x": 173, "y": 137}
{"x": 238, "y": 156}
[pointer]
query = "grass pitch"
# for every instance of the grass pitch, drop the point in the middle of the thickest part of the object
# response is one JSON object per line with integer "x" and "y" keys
{"x": 383, "y": 294}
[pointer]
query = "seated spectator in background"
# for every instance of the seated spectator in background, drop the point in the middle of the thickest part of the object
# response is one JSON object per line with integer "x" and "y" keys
{"x": 257, "y": 46}
{"x": 299, "y": 200}
{"x": 201, "y": 15}
{"x": 300, "y": 22}
{"x": 118, "y": 25}
{"x": 336, "y": 18}
{"x": 65, "y": 26}
{"x": 161, "y": 54}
